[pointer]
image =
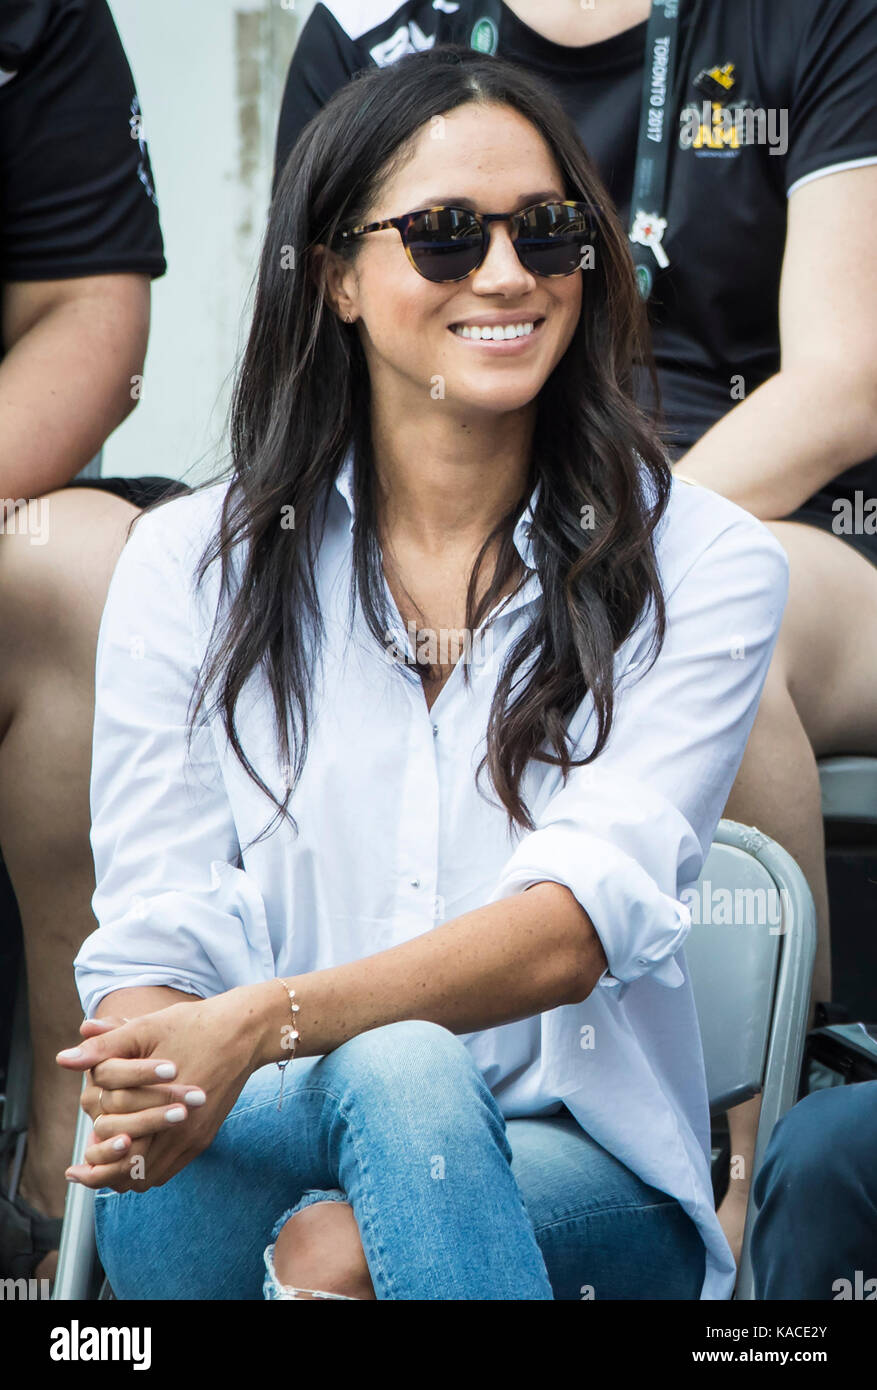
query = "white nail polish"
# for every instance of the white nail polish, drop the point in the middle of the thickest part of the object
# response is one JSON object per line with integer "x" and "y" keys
{"x": 194, "y": 1098}
{"x": 166, "y": 1070}
{"x": 175, "y": 1113}
{"x": 119, "y": 1144}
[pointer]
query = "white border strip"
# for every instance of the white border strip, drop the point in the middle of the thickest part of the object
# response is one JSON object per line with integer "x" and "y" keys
{"x": 831, "y": 169}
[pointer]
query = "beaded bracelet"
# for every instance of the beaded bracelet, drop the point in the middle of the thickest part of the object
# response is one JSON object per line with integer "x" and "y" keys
{"x": 289, "y": 1038}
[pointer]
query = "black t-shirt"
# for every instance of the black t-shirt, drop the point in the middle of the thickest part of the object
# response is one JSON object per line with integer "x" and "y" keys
{"x": 77, "y": 196}
{"x": 714, "y": 310}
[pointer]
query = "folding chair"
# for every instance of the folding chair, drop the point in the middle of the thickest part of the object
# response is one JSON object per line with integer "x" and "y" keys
{"x": 751, "y": 974}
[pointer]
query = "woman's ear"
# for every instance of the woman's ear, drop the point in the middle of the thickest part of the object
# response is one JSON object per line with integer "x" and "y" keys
{"x": 334, "y": 290}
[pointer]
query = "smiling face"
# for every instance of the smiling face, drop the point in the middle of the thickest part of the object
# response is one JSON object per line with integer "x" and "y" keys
{"x": 491, "y": 159}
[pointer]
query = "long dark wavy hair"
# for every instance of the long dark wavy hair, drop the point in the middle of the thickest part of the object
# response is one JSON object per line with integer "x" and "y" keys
{"x": 302, "y": 397}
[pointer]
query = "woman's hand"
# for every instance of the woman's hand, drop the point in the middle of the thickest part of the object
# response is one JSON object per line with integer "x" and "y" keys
{"x": 123, "y": 1117}
{"x": 133, "y": 1062}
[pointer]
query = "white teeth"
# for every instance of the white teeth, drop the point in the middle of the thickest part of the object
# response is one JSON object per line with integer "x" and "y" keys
{"x": 496, "y": 332}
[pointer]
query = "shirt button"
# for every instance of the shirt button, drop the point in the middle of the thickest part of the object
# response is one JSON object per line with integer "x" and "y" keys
{"x": 415, "y": 883}
{"x": 435, "y": 730}
{"x": 643, "y": 960}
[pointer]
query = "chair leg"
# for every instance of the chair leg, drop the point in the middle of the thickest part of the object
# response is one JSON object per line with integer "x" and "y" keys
{"x": 77, "y": 1256}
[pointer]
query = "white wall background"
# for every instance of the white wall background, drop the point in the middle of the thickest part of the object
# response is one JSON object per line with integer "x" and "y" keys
{"x": 210, "y": 77}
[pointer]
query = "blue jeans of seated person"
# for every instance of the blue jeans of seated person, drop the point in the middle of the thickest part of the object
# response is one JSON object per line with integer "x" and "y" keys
{"x": 452, "y": 1201}
{"x": 817, "y": 1197}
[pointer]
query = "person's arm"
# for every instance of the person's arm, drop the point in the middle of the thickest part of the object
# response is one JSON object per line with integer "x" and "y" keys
{"x": 72, "y": 348}
{"x": 512, "y": 959}
{"x": 133, "y": 1003}
{"x": 79, "y": 242}
{"x": 506, "y": 961}
{"x": 818, "y": 415}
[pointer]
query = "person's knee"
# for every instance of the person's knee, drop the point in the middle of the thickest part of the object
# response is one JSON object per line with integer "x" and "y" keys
{"x": 825, "y": 1133}
{"x": 319, "y": 1247}
{"x": 416, "y": 1068}
{"x": 54, "y": 576}
{"x": 415, "y": 1052}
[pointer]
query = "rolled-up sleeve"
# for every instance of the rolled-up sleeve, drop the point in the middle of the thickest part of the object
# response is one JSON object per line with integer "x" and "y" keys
{"x": 172, "y": 904}
{"x": 630, "y": 831}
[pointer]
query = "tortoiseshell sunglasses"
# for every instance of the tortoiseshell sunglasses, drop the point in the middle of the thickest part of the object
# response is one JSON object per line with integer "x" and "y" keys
{"x": 447, "y": 243}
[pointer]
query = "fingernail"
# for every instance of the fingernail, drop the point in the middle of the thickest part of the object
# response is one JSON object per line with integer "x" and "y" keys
{"x": 71, "y": 1052}
{"x": 175, "y": 1113}
{"x": 166, "y": 1070}
{"x": 194, "y": 1098}
{"x": 120, "y": 1144}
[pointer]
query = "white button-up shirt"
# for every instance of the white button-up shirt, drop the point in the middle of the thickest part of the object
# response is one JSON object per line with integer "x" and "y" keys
{"x": 393, "y": 836}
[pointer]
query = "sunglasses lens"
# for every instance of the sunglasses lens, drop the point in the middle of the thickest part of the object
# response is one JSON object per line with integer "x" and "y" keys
{"x": 552, "y": 237}
{"x": 445, "y": 244}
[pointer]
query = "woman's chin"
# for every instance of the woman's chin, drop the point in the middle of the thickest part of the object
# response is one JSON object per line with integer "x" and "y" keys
{"x": 492, "y": 398}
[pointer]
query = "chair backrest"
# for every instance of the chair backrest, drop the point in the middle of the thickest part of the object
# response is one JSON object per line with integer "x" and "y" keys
{"x": 750, "y": 955}
{"x": 849, "y": 789}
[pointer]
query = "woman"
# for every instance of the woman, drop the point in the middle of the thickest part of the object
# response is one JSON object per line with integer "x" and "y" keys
{"x": 468, "y": 874}
{"x": 768, "y": 396}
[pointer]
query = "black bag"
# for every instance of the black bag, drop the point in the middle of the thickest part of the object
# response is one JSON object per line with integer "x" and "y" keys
{"x": 839, "y": 1055}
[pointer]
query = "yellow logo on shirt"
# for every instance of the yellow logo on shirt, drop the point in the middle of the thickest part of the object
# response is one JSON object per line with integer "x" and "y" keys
{"x": 723, "y": 75}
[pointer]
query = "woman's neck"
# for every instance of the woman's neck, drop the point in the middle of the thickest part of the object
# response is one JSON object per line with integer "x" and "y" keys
{"x": 443, "y": 488}
{"x": 573, "y": 25}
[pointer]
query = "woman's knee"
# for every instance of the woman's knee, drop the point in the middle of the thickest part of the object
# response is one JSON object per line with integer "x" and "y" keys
{"x": 417, "y": 1068}
{"x": 318, "y": 1247}
{"x": 413, "y": 1050}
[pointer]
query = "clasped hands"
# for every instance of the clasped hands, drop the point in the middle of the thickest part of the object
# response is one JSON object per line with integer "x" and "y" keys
{"x": 158, "y": 1088}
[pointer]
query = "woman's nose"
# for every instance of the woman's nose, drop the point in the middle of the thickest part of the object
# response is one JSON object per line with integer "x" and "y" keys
{"x": 501, "y": 265}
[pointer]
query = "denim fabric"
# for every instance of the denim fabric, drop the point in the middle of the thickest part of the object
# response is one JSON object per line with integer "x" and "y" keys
{"x": 817, "y": 1197}
{"x": 452, "y": 1201}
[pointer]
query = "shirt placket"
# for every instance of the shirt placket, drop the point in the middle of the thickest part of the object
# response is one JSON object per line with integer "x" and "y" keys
{"x": 419, "y": 810}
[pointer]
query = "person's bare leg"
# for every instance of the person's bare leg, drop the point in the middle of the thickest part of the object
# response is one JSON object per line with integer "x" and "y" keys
{"x": 320, "y": 1248}
{"x": 820, "y": 698}
{"x": 51, "y": 600}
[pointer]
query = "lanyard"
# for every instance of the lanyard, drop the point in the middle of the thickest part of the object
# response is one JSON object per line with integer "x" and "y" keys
{"x": 656, "y": 118}
{"x": 476, "y": 23}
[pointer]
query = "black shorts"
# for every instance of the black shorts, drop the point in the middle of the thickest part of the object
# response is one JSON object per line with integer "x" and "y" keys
{"x": 139, "y": 491}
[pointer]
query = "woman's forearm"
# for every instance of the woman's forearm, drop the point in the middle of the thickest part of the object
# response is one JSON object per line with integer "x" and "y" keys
{"x": 796, "y": 432}
{"x": 510, "y": 960}
{"x": 144, "y": 999}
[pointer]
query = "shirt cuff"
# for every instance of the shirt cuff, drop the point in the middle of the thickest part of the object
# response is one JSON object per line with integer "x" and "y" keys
{"x": 640, "y": 927}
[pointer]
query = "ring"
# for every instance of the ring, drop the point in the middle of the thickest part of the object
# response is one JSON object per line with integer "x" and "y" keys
{"x": 100, "y": 1101}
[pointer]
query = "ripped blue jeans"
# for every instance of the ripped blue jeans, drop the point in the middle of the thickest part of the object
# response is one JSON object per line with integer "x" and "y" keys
{"x": 452, "y": 1200}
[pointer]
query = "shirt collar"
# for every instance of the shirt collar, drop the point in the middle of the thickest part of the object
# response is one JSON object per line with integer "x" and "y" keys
{"x": 344, "y": 484}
